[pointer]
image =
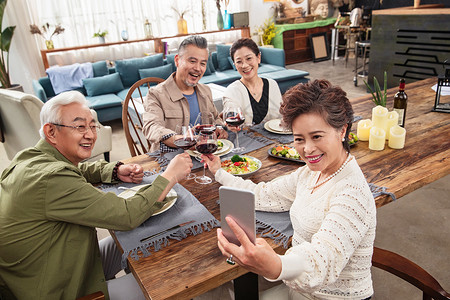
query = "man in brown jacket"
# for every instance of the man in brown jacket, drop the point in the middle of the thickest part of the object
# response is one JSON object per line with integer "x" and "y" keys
{"x": 179, "y": 99}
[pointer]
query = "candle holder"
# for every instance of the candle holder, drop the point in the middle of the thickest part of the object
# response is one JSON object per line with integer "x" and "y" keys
{"x": 443, "y": 81}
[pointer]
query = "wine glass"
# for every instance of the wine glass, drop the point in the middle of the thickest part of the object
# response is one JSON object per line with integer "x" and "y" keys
{"x": 206, "y": 144}
{"x": 205, "y": 122}
{"x": 185, "y": 139}
{"x": 234, "y": 117}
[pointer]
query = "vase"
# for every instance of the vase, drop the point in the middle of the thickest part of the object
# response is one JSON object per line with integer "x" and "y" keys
{"x": 182, "y": 26}
{"x": 124, "y": 35}
{"x": 227, "y": 20}
{"x": 49, "y": 44}
{"x": 219, "y": 20}
{"x": 101, "y": 39}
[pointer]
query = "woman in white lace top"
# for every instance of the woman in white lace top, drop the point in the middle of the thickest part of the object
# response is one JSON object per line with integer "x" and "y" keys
{"x": 331, "y": 207}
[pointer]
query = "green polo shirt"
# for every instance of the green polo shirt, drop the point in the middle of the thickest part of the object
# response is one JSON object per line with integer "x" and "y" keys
{"x": 48, "y": 214}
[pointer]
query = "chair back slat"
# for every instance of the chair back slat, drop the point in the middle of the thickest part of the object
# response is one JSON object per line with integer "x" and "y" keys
{"x": 131, "y": 117}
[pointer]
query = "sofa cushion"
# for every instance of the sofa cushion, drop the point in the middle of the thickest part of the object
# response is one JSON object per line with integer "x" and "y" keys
{"x": 285, "y": 75}
{"x": 100, "y": 68}
{"x": 103, "y": 85}
{"x": 221, "y": 78}
{"x": 129, "y": 68}
{"x": 265, "y": 68}
{"x": 231, "y": 63}
{"x": 123, "y": 93}
{"x": 171, "y": 60}
{"x": 103, "y": 101}
{"x": 223, "y": 52}
{"x": 160, "y": 72}
{"x": 211, "y": 64}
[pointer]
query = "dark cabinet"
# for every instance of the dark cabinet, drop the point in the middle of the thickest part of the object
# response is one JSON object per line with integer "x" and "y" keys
{"x": 296, "y": 43}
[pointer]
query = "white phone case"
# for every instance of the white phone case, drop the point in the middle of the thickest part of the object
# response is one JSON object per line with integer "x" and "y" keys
{"x": 240, "y": 205}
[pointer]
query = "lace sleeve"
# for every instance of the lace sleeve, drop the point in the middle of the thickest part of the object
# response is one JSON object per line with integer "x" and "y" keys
{"x": 276, "y": 195}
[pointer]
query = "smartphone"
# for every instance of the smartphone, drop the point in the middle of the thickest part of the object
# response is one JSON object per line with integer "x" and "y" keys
{"x": 240, "y": 205}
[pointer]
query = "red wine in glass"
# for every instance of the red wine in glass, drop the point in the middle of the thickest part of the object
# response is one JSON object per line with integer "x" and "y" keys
{"x": 235, "y": 120}
{"x": 206, "y": 148}
{"x": 185, "y": 144}
{"x": 206, "y": 129}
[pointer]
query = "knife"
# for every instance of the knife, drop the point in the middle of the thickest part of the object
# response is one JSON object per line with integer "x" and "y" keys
{"x": 162, "y": 232}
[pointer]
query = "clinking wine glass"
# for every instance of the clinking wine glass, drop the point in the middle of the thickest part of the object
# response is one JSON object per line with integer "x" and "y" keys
{"x": 185, "y": 139}
{"x": 234, "y": 117}
{"x": 205, "y": 123}
{"x": 206, "y": 144}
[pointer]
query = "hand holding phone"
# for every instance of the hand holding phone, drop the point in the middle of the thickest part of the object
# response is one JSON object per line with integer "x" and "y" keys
{"x": 240, "y": 205}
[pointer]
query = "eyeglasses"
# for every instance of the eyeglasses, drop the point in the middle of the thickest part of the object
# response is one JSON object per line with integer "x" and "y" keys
{"x": 81, "y": 128}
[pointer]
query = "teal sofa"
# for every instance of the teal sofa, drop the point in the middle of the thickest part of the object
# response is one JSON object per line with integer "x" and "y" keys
{"x": 109, "y": 86}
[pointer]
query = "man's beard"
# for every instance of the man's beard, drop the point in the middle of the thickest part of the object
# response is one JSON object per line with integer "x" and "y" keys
{"x": 190, "y": 84}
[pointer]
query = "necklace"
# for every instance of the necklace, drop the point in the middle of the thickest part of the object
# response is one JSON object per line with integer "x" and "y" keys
{"x": 252, "y": 90}
{"x": 349, "y": 158}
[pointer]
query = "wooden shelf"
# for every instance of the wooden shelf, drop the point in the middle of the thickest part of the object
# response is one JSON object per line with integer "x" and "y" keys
{"x": 296, "y": 43}
{"x": 245, "y": 32}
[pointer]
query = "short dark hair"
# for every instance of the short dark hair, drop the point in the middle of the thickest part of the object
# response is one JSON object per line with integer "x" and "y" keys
{"x": 318, "y": 96}
{"x": 196, "y": 40}
{"x": 245, "y": 42}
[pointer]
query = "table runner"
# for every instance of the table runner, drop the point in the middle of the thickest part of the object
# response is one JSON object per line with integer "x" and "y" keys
{"x": 186, "y": 208}
{"x": 247, "y": 139}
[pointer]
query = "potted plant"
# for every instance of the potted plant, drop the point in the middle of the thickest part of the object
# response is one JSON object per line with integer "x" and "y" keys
{"x": 267, "y": 32}
{"x": 101, "y": 35}
{"x": 6, "y": 36}
{"x": 378, "y": 96}
{"x": 45, "y": 33}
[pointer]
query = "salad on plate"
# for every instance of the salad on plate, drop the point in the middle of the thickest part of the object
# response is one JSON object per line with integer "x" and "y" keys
{"x": 241, "y": 165}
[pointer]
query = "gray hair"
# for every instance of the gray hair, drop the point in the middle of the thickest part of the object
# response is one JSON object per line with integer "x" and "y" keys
{"x": 50, "y": 112}
{"x": 195, "y": 40}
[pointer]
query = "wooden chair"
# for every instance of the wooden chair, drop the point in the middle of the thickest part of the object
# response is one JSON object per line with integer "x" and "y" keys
{"x": 94, "y": 296}
{"x": 410, "y": 272}
{"x": 132, "y": 109}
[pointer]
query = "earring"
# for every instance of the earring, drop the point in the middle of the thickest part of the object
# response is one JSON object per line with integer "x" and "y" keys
{"x": 343, "y": 139}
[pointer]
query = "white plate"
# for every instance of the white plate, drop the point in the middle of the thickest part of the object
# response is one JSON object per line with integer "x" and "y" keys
{"x": 227, "y": 147}
{"x": 266, "y": 127}
{"x": 258, "y": 162}
{"x": 130, "y": 192}
{"x": 275, "y": 126}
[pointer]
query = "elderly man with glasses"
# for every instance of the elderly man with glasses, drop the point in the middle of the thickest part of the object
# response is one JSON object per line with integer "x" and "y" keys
{"x": 49, "y": 210}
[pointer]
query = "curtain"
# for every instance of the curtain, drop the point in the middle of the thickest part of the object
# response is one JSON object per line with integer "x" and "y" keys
{"x": 24, "y": 56}
{"x": 82, "y": 18}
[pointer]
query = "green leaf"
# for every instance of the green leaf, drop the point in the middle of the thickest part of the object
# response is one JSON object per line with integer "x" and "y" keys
{"x": 378, "y": 91}
{"x": 6, "y": 38}
{"x": 385, "y": 88}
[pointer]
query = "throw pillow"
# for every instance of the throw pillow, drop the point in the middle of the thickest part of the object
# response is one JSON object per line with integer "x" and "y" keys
{"x": 211, "y": 64}
{"x": 100, "y": 68}
{"x": 231, "y": 63}
{"x": 171, "y": 60}
{"x": 223, "y": 52}
{"x": 103, "y": 85}
{"x": 129, "y": 68}
{"x": 160, "y": 72}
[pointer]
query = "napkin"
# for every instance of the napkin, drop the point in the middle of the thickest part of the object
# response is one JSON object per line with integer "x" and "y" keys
{"x": 187, "y": 208}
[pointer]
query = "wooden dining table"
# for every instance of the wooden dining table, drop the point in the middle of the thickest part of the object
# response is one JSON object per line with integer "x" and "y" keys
{"x": 190, "y": 267}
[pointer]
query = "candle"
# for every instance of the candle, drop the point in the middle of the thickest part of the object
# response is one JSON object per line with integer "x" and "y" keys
{"x": 377, "y": 138}
{"x": 379, "y": 117}
{"x": 397, "y": 137}
{"x": 363, "y": 130}
{"x": 392, "y": 119}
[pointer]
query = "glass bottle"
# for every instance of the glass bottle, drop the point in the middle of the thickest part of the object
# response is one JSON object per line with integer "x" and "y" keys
{"x": 148, "y": 29}
{"x": 400, "y": 103}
